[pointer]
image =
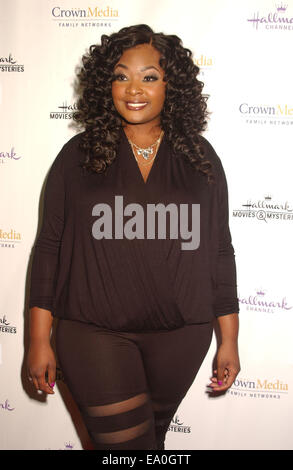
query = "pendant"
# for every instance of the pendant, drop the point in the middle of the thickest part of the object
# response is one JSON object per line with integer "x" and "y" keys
{"x": 145, "y": 152}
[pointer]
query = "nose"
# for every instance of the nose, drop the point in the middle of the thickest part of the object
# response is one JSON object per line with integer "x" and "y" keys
{"x": 133, "y": 87}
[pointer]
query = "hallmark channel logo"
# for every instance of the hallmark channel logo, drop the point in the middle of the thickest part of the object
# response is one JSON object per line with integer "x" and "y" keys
{"x": 264, "y": 388}
{"x": 263, "y": 302}
{"x": 265, "y": 210}
{"x": 266, "y": 114}
{"x": 5, "y": 326}
{"x": 65, "y": 111}
{"x": 84, "y": 17}
{"x": 10, "y": 238}
{"x": 178, "y": 426}
{"x": 9, "y": 64}
{"x": 278, "y": 18}
{"x": 5, "y": 406}
{"x": 67, "y": 446}
{"x": 10, "y": 155}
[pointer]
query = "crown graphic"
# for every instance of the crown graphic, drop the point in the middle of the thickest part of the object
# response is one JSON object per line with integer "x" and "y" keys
{"x": 68, "y": 445}
{"x": 268, "y": 197}
{"x": 260, "y": 292}
{"x": 281, "y": 7}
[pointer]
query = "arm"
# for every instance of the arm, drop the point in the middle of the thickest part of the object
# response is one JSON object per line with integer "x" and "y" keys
{"x": 228, "y": 364}
{"x": 41, "y": 359}
{"x": 226, "y": 305}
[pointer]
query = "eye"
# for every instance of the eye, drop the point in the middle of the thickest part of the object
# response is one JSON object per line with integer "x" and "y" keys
{"x": 120, "y": 77}
{"x": 150, "y": 78}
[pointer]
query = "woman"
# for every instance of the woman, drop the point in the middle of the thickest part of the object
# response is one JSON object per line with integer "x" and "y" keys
{"x": 135, "y": 307}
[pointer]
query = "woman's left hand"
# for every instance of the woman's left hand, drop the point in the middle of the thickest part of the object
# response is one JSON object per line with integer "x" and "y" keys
{"x": 228, "y": 367}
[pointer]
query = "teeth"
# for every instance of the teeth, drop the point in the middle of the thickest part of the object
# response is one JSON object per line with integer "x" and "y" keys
{"x": 136, "y": 105}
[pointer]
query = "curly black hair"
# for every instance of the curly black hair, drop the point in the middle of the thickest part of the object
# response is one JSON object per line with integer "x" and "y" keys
{"x": 183, "y": 117}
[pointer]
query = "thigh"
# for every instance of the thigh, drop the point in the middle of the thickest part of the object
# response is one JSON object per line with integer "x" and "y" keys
{"x": 99, "y": 366}
{"x": 172, "y": 360}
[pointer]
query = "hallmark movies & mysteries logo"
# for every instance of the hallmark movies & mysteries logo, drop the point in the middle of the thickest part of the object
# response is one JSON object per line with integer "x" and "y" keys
{"x": 265, "y": 210}
{"x": 65, "y": 111}
{"x": 5, "y": 326}
{"x": 178, "y": 426}
{"x": 9, "y": 64}
{"x": 278, "y": 18}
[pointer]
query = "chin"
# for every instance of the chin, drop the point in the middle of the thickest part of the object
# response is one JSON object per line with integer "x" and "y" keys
{"x": 131, "y": 120}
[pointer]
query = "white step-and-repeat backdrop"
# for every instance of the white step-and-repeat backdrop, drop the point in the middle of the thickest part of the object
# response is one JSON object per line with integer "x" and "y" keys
{"x": 244, "y": 51}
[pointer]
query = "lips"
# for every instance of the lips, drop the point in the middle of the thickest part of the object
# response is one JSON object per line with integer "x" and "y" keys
{"x": 135, "y": 105}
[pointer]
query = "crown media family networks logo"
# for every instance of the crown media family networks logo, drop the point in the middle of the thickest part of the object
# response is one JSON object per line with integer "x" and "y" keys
{"x": 279, "y": 18}
{"x": 266, "y": 114}
{"x": 91, "y": 16}
{"x": 9, "y": 238}
{"x": 259, "y": 388}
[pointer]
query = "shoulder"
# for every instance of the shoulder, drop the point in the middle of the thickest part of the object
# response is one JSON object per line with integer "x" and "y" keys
{"x": 71, "y": 148}
{"x": 211, "y": 154}
{"x": 70, "y": 154}
{"x": 73, "y": 142}
{"x": 216, "y": 162}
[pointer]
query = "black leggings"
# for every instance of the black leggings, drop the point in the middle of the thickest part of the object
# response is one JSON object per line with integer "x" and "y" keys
{"x": 128, "y": 386}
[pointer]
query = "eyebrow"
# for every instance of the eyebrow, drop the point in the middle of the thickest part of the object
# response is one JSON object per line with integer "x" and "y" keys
{"x": 143, "y": 69}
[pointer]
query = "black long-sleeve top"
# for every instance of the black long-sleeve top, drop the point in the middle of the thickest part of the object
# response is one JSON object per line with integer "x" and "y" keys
{"x": 143, "y": 283}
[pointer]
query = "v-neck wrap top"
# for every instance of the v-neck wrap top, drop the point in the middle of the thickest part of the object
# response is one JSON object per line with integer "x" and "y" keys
{"x": 130, "y": 255}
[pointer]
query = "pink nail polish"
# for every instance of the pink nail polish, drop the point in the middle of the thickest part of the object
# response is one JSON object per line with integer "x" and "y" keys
{"x": 52, "y": 384}
{"x": 220, "y": 382}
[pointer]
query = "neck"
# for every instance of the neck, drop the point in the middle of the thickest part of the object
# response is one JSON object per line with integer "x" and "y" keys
{"x": 142, "y": 134}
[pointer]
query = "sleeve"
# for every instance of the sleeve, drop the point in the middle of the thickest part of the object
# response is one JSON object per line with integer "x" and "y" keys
{"x": 46, "y": 248}
{"x": 225, "y": 286}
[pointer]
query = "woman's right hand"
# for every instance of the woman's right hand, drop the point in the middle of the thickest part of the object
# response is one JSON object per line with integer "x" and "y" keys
{"x": 41, "y": 361}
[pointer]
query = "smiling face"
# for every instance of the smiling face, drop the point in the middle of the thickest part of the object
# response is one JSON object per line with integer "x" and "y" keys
{"x": 138, "y": 89}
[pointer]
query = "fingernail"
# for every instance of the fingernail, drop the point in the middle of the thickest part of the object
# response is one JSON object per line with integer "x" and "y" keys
{"x": 52, "y": 384}
{"x": 220, "y": 382}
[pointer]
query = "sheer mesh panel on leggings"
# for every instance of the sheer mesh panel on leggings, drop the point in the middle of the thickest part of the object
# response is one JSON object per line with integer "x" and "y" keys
{"x": 163, "y": 415}
{"x": 127, "y": 424}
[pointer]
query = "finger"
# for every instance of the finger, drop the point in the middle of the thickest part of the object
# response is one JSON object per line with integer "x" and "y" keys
{"x": 43, "y": 385}
{"x": 29, "y": 377}
{"x": 51, "y": 375}
{"x": 227, "y": 382}
{"x": 214, "y": 380}
{"x": 221, "y": 375}
{"x": 35, "y": 382}
{"x": 219, "y": 381}
{"x": 231, "y": 376}
{"x": 32, "y": 378}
